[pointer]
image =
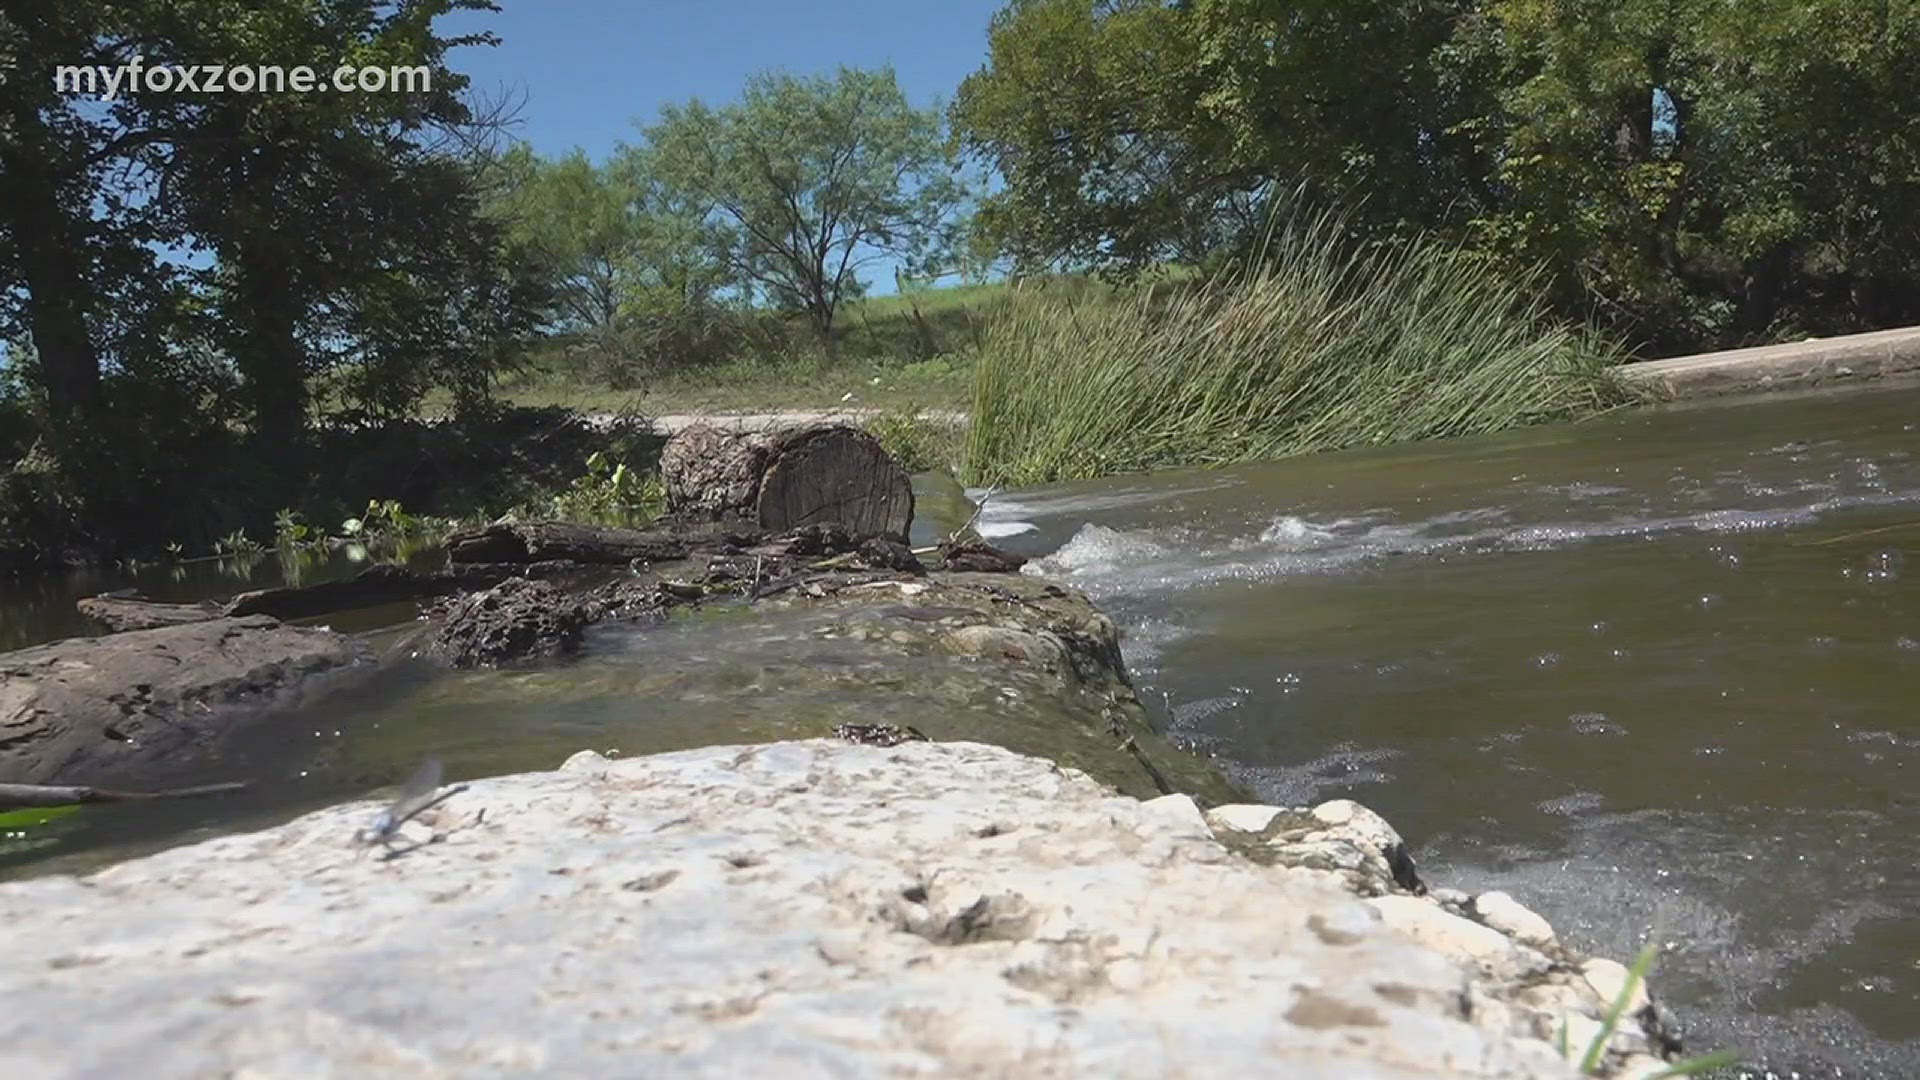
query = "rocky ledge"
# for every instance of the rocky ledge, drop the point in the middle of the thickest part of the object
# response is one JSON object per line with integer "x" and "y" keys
{"x": 811, "y": 908}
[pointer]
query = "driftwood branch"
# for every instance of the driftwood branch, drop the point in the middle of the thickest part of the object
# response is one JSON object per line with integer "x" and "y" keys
{"x": 15, "y": 796}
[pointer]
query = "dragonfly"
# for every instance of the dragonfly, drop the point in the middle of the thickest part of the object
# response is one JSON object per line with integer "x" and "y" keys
{"x": 421, "y": 793}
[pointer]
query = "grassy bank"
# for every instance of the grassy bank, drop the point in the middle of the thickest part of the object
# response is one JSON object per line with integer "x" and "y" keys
{"x": 911, "y": 350}
{"x": 1316, "y": 345}
{"x": 755, "y": 384}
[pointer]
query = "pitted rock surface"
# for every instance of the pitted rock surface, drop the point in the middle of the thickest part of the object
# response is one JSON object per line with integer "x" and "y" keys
{"x": 517, "y": 619}
{"x": 795, "y": 909}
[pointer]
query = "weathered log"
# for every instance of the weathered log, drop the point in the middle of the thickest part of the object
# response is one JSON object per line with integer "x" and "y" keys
{"x": 14, "y": 796}
{"x": 119, "y": 613}
{"x": 599, "y": 545}
{"x": 383, "y": 583}
{"x": 783, "y": 479}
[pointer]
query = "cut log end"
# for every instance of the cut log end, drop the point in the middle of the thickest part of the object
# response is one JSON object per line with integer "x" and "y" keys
{"x": 779, "y": 481}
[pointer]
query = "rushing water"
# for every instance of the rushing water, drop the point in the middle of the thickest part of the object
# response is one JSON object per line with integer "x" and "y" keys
{"x": 1654, "y": 670}
{"x": 1659, "y": 669}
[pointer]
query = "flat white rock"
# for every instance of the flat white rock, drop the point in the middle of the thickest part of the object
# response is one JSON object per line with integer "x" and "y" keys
{"x": 795, "y": 910}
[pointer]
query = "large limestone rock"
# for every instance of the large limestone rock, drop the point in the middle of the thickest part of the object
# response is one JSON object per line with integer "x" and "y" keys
{"x": 88, "y": 710}
{"x": 795, "y": 909}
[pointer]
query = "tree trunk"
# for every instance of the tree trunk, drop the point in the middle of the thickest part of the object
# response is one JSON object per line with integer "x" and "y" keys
{"x": 781, "y": 480}
{"x": 267, "y": 300}
{"x": 49, "y": 253}
{"x": 270, "y": 358}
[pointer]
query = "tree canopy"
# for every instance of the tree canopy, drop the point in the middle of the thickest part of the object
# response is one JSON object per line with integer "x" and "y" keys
{"x": 292, "y": 234}
{"x": 1694, "y": 173}
{"x": 811, "y": 180}
{"x": 181, "y": 266}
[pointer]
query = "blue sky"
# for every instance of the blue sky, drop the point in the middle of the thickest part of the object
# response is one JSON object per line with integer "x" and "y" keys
{"x": 591, "y": 67}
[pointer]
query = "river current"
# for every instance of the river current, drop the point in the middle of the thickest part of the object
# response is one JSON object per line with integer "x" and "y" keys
{"x": 1654, "y": 674}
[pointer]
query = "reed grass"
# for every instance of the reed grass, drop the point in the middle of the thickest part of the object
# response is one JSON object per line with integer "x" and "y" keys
{"x": 1314, "y": 343}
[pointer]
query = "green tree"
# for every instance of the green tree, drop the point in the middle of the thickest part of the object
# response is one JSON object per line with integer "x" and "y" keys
{"x": 1087, "y": 113}
{"x": 581, "y": 227}
{"x": 1709, "y": 172}
{"x": 613, "y": 238}
{"x": 810, "y": 180}
{"x": 1694, "y": 173}
{"x": 1133, "y": 131}
{"x": 1350, "y": 99}
{"x": 49, "y": 181}
{"x": 177, "y": 263}
{"x": 319, "y": 208}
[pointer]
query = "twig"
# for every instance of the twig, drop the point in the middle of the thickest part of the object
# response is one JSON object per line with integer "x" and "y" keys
{"x": 834, "y": 563}
{"x": 19, "y": 795}
{"x": 978, "y": 509}
{"x": 1159, "y": 778}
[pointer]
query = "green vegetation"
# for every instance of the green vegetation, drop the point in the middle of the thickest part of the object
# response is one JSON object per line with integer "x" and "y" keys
{"x": 734, "y": 234}
{"x": 1314, "y": 344}
{"x": 185, "y": 288}
{"x": 1690, "y": 173}
{"x": 861, "y": 176}
{"x": 920, "y": 443}
{"x": 609, "y": 493}
{"x": 199, "y": 331}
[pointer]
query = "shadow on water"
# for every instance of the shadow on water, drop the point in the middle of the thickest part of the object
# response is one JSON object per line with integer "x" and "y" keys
{"x": 40, "y": 608}
{"x": 1662, "y": 664}
{"x": 723, "y": 675}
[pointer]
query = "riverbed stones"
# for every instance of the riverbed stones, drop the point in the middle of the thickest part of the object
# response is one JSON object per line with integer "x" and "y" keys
{"x": 1340, "y": 837}
{"x": 795, "y": 909}
{"x": 1542, "y": 986}
{"x": 994, "y": 657}
{"x": 1464, "y": 939}
{"x": 1243, "y": 817}
{"x": 1510, "y": 917}
{"x": 1609, "y": 979}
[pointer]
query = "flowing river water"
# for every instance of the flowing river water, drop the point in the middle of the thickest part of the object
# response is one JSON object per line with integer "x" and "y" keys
{"x": 1659, "y": 670}
{"x": 1654, "y": 673}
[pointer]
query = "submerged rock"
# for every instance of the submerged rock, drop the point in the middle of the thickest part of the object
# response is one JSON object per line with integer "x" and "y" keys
{"x": 120, "y": 612}
{"x": 795, "y": 909}
{"x": 1005, "y": 659}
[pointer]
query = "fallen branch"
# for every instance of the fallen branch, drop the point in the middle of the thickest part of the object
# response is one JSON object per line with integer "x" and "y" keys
{"x": 16, "y": 796}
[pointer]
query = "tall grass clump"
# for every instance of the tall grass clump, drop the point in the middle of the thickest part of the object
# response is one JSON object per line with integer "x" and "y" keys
{"x": 1313, "y": 343}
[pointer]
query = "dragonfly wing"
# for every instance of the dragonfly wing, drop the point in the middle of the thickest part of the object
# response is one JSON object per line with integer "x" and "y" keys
{"x": 418, "y": 791}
